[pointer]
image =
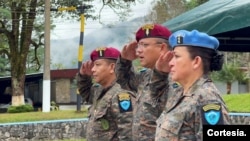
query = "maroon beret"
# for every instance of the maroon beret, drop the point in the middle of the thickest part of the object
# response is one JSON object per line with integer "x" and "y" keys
{"x": 104, "y": 53}
{"x": 152, "y": 31}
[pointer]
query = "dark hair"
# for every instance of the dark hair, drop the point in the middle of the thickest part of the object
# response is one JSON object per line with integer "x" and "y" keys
{"x": 109, "y": 61}
{"x": 161, "y": 40}
{"x": 212, "y": 59}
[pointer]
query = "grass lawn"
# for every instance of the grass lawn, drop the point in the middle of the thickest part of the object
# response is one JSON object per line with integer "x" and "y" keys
{"x": 238, "y": 102}
{"x": 234, "y": 102}
{"x": 40, "y": 116}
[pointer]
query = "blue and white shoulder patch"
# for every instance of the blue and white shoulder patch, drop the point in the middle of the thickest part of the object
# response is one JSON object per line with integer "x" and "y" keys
{"x": 124, "y": 102}
{"x": 211, "y": 114}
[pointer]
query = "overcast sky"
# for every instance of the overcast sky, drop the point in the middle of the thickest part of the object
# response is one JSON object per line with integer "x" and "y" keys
{"x": 65, "y": 42}
{"x": 70, "y": 29}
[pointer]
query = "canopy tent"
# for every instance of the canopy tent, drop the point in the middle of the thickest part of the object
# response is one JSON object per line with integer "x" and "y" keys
{"x": 228, "y": 20}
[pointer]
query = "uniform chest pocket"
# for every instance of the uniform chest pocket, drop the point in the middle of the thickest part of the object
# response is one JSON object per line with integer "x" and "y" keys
{"x": 100, "y": 117}
{"x": 171, "y": 126}
{"x": 100, "y": 111}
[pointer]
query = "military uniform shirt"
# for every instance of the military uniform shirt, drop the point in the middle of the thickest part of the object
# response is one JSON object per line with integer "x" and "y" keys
{"x": 184, "y": 114}
{"x": 148, "y": 105}
{"x": 110, "y": 113}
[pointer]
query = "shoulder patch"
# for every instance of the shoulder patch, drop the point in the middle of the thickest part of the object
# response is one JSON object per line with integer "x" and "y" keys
{"x": 124, "y": 101}
{"x": 175, "y": 85}
{"x": 96, "y": 85}
{"x": 211, "y": 114}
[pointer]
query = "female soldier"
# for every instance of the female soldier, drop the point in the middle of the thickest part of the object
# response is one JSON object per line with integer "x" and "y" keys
{"x": 196, "y": 102}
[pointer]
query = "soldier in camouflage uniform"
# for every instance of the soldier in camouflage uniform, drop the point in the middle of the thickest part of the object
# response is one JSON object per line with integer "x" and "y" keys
{"x": 111, "y": 110}
{"x": 196, "y": 102}
{"x": 151, "y": 41}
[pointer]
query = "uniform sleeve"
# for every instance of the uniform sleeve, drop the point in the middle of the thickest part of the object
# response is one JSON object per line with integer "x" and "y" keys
{"x": 126, "y": 75}
{"x": 122, "y": 107}
{"x": 159, "y": 83}
{"x": 202, "y": 117}
{"x": 84, "y": 84}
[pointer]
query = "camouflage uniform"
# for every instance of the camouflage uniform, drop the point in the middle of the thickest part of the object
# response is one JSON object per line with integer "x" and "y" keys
{"x": 183, "y": 117}
{"x": 108, "y": 121}
{"x": 148, "y": 106}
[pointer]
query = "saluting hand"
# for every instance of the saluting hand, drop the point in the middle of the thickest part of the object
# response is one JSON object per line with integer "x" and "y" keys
{"x": 162, "y": 64}
{"x": 86, "y": 68}
{"x": 129, "y": 51}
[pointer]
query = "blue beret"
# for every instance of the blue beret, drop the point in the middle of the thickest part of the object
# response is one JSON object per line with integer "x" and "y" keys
{"x": 193, "y": 38}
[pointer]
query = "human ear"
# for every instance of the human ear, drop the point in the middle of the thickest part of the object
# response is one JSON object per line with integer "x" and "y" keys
{"x": 197, "y": 62}
{"x": 112, "y": 67}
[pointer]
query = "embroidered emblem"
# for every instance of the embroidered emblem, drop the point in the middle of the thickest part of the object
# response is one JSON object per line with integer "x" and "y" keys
{"x": 211, "y": 114}
{"x": 105, "y": 124}
{"x": 124, "y": 102}
{"x": 100, "y": 51}
{"x": 147, "y": 28}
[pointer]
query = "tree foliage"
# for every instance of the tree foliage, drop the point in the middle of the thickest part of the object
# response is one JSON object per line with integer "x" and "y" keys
{"x": 235, "y": 68}
{"x": 22, "y": 32}
{"x": 194, "y": 3}
{"x": 164, "y": 10}
{"x": 230, "y": 73}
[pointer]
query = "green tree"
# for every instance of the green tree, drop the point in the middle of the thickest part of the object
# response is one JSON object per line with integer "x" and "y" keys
{"x": 194, "y": 3}
{"x": 164, "y": 10}
{"x": 4, "y": 63}
{"x": 22, "y": 24}
{"x": 229, "y": 74}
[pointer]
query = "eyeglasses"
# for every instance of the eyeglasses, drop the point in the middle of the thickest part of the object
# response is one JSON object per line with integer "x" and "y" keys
{"x": 145, "y": 45}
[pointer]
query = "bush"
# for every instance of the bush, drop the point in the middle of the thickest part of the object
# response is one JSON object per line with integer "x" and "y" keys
{"x": 20, "y": 109}
{"x": 54, "y": 106}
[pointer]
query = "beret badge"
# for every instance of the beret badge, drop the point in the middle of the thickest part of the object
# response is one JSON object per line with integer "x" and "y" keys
{"x": 147, "y": 28}
{"x": 100, "y": 51}
{"x": 179, "y": 39}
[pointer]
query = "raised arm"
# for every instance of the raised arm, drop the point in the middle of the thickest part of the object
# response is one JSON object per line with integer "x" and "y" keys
{"x": 125, "y": 72}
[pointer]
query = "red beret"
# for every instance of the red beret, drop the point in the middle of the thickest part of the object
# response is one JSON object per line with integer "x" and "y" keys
{"x": 152, "y": 31}
{"x": 104, "y": 53}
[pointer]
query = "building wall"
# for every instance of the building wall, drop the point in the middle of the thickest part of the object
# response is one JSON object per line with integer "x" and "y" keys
{"x": 68, "y": 129}
{"x": 235, "y": 89}
{"x": 62, "y": 91}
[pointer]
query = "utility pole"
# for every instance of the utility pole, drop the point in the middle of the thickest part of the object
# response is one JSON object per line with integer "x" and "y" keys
{"x": 80, "y": 55}
{"x": 81, "y": 47}
{"x": 46, "y": 72}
